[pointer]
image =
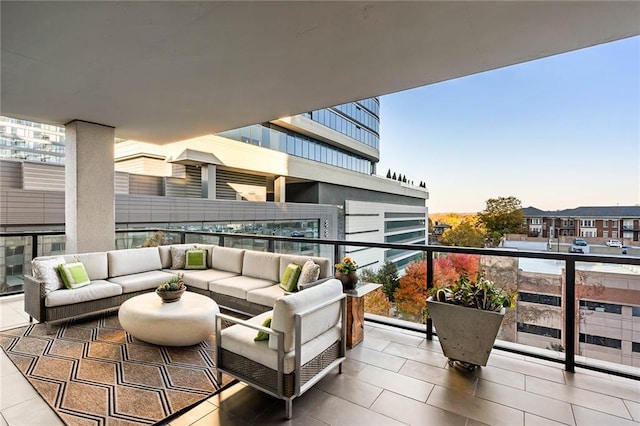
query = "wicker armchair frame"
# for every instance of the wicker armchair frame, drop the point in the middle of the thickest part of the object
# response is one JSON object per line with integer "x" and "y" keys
{"x": 275, "y": 382}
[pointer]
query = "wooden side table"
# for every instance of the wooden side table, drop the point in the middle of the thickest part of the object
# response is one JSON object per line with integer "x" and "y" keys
{"x": 355, "y": 312}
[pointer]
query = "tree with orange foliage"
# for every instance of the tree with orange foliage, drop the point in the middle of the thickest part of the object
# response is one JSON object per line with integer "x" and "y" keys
{"x": 411, "y": 296}
{"x": 377, "y": 303}
{"x": 447, "y": 269}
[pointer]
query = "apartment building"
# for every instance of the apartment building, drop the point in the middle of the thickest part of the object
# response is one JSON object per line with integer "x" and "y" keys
{"x": 596, "y": 222}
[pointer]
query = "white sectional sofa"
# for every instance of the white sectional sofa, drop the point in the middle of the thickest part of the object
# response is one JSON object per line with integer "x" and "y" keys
{"x": 241, "y": 280}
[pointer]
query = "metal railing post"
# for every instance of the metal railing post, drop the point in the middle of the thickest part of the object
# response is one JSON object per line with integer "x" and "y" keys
{"x": 429, "y": 259}
{"x": 570, "y": 316}
{"x": 34, "y": 246}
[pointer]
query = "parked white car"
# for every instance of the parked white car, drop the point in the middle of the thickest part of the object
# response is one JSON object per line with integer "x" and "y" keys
{"x": 614, "y": 243}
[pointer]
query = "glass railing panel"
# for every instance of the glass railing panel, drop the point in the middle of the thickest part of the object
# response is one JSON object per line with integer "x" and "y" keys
{"x": 400, "y": 297}
{"x": 15, "y": 262}
{"x": 246, "y": 243}
{"x": 608, "y": 315}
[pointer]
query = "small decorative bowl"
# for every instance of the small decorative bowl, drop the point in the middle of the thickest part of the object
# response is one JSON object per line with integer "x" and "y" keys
{"x": 169, "y": 296}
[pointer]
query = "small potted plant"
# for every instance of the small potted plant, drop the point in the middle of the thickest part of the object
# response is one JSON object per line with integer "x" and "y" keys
{"x": 346, "y": 273}
{"x": 467, "y": 316}
{"x": 171, "y": 290}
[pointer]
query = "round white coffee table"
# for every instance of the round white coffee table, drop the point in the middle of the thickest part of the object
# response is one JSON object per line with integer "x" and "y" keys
{"x": 186, "y": 322}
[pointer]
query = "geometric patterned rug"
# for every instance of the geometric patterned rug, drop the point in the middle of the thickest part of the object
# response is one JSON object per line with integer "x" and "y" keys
{"x": 92, "y": 372}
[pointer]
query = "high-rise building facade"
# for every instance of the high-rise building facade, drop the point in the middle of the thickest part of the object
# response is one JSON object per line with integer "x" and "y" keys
{"x": 317, "y": 167}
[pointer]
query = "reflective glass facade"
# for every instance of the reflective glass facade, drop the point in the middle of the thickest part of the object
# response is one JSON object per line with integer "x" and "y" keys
{"x": 31, "y": 141}
{"x": 357, "y": 120}
{"x": 268, "y": 135}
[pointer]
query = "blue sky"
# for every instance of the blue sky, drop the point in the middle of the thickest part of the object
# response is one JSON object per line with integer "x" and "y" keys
{"x": 557, "y": 133}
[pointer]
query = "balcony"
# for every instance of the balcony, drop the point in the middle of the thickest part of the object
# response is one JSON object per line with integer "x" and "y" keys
{"x": 398, "y": 374}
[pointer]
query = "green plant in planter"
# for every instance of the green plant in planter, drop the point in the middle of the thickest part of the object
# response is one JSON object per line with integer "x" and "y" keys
{"x": 481, "y": 294}
{"x": 174, "y": 284}
{"x": 467, "y": 316}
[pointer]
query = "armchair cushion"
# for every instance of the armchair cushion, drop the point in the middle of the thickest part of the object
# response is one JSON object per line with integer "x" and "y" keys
{"x": 316, "y": 323}
{"x": 95, "y": 264}
{"x": 310, "y": 273}
{"x": 133, "y": 261}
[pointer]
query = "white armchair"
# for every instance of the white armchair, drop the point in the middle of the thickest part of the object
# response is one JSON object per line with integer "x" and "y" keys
{"x": 306, "y": 341}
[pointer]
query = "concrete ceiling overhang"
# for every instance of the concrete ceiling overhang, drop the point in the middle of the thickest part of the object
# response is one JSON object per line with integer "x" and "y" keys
{"x": 164, "y": 71}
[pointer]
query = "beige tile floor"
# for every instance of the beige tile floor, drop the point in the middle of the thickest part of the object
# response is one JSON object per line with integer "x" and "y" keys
{"x": 393, "y": 377}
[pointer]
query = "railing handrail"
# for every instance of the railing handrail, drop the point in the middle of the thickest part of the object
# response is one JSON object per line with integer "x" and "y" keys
{"x": 570, "y": 259}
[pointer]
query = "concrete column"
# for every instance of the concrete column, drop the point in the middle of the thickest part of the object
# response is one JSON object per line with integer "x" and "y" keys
{"x": 279, "y": 189}
{"x": 208, "y": 178}
{"x": 89, "y": 187}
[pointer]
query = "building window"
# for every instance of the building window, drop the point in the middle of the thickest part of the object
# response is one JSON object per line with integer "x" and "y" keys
{"x": 606, "y": 223}
{"x": 635, "y": 311}
{"x": 587, "y": 223}
{"x": 539, "y": 330}
{"x": 601, "y": 307}
{"x": 542, "y": 299}
{"x": 614, "y": 234}
{"x": 397, "y": 225}
{"x": 600, "y": 341}
{"x": 536, "y": 221}
{"x": 605, "y": 234}
{"x": 635, "y": 347}
{"x": 614, "y": 223}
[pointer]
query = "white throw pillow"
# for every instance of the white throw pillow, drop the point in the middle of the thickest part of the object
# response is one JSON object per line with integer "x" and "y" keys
{"x": 310, "y": 273}
{"x": 47, "y": 270}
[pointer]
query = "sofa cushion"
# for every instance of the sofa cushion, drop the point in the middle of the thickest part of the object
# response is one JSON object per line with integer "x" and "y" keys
{"x": 133, "y": 261}
{"x": 96, "y": 264}
{"x": 316, "y": 323}
{"x": 195, "y": 259}
{"x": 98, "y": 289}
{"x": 141, "y": 281}
{"x": 201, "y": 278}
{"x": 46, "y": 269}
{"x": 73, "y": 275}
{"x": 326, "y": 267}
{"x": 258, "y": 264}
{"x": 209, "y": 248}
{"x": 265, "y": 296}
{"x": 239, "y": 340}
{"x": 289, "y": 279}
{"x": 261, "y": 334}
{"x": 227, "y": 259}
{"x": 238, "y": 286}
{"x": 310, "y": 273}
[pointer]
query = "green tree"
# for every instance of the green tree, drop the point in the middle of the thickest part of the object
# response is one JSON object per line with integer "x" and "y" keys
{"x": 466, "y": 234}
{"x": 394, "y": 176}
{"x": 502, "y": 215}
{"x": 389, "y": 174}
{"x": 388, "y": 276}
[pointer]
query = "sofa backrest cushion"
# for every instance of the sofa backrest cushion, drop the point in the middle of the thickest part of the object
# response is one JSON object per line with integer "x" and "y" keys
{"x": 314, "y": 324}
{"x": 133, "y": 261}
{"x": 95, "y": 264}
{"x": 326, "y": 268}
{"x": 227, "y": 259}
{"x": 262, "y": 265}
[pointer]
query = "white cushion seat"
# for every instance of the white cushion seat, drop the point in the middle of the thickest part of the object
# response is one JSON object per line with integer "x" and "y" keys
{"x": 265, "y": 296}
{"x": 238, "y": 286}
{"x": 201, "y": 278}
{"x": 142, "y": 281}
{"x": 98, "y": 289}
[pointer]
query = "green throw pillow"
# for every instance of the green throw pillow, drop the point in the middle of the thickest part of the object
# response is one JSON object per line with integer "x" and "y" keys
{"x": 261, "y": 334}
{"x": 196, "y": 259}
{"x": 73, "y": 275}
{"x": 290, "y": 277}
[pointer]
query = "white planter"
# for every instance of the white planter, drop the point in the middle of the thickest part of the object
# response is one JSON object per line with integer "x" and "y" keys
{"x": 465, "y": 334}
